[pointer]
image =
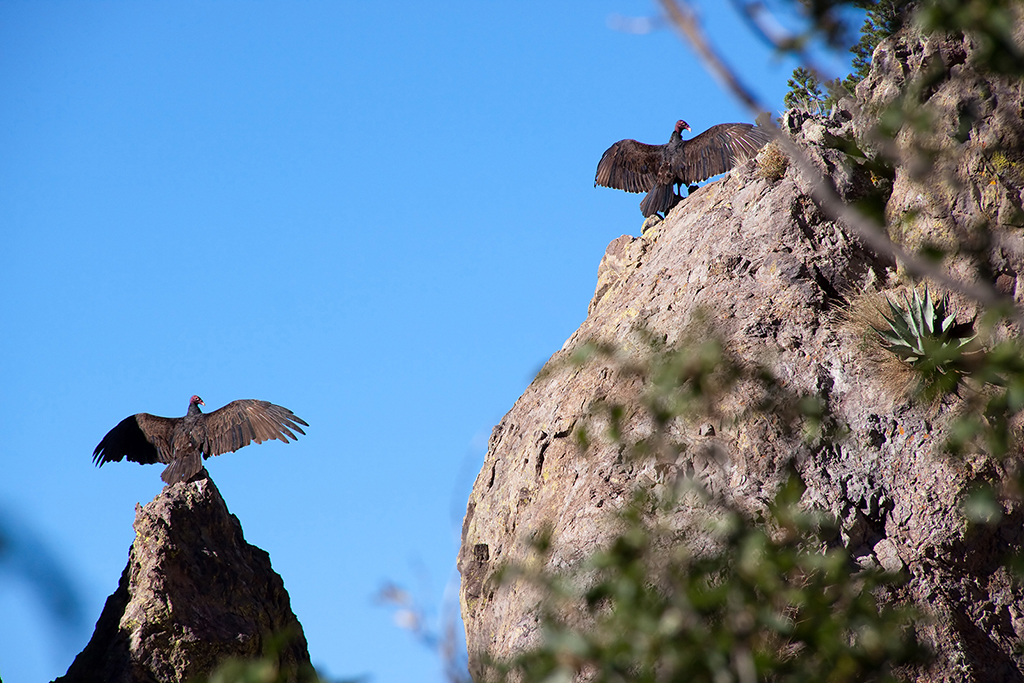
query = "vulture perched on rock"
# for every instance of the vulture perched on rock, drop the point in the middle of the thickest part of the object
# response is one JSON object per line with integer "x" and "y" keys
{"x": 656, "y": 169}
{"x": 180, "y": 441}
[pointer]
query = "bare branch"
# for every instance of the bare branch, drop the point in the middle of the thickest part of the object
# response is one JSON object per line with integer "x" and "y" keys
{"x": 763, "y": 24}
{"x": 682, "y": 17}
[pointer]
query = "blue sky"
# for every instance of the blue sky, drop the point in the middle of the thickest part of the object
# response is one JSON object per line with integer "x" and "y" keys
{"x": 380, "y": 215}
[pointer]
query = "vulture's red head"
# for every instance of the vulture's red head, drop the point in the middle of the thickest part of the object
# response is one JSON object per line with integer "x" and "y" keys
{"x": 196, "y": 401}
{"x": 681, "y": 126}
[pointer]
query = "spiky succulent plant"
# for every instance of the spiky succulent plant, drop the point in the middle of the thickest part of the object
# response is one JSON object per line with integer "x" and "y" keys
{"x": 925, "y": 334}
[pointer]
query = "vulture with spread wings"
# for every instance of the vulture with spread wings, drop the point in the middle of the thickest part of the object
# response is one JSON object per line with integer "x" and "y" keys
{"x": 657, "y": 169}
{"x": 182, "y": 442}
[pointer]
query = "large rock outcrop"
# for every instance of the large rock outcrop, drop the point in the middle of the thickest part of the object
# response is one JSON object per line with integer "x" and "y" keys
{"x": 194, "y": 593}
{"x": 753, "y": 260}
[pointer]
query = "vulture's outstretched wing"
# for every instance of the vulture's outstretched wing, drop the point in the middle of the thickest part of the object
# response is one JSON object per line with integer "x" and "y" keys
{"x": 629, "y": 165}
{"x": 717, "y": 150}
{"x": 241, "y": 422}
{"x": 142, "y": 438}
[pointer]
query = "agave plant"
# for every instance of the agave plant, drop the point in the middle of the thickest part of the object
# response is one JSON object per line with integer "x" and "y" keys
{"x": 923, "y": 333}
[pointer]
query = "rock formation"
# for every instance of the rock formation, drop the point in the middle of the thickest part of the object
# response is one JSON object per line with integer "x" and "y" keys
{"x": 976, "y": 132}
{"x": 193, "y": 594}
{"x": 772, "y": 272}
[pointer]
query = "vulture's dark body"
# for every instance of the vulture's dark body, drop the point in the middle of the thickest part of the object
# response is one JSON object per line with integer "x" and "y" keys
{"x": 658, "y": 169}
{"x": 182, "y": 442}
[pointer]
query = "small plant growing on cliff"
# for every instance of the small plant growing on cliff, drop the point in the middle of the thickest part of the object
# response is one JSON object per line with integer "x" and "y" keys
{"x": 924, "y": 334}
{"x": 772, "y": 163}
{"x": 805, "y": 92}
{"x": 883, "y": 18}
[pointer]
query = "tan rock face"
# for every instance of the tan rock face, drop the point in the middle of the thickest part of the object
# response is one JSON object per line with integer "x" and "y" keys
{"x": 752, "y": 260}
{"x": 193, "y": 593}
{"x": 975, "y": 127}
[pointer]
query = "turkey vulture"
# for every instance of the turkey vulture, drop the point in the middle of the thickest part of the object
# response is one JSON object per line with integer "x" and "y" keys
{"x": 655, "y": 169}
{"x": 179, "y": 441}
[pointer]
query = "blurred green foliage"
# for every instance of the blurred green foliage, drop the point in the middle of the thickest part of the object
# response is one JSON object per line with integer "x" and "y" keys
{"x": 276, "y": 665}
{"x": 775, "y": 597}
{"x": 771, "y": 602}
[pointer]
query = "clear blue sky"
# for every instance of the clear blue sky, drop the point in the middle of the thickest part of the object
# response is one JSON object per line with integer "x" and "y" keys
{"x": 380, "y": 215}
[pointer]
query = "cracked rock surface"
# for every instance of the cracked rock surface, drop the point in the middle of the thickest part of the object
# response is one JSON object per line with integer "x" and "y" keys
{"x": 193, "y": 594}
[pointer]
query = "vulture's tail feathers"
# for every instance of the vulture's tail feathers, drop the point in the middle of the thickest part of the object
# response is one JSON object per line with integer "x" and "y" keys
{"x": 661, "y": 198}
{"x": 183, "y": 469}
